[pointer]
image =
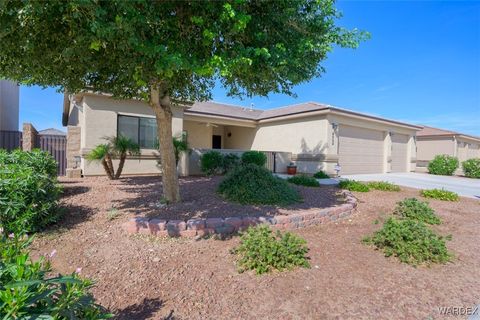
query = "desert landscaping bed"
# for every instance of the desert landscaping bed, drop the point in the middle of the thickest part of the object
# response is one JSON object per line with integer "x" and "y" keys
{"x": 143, "y": 277}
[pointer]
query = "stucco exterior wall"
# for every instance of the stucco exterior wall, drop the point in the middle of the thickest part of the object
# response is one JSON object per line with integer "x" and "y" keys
{"x": 239, "y": 137}
{"x": 9, "y": 105}
{"x": 428, "y": 148}
{"x": 198, "y": 134}
{"x": 99, "y": 119}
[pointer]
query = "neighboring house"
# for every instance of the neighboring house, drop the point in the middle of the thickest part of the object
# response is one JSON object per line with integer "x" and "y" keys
{"x": 314, "y": 136}
{"x": 9, "y": 102}
{"x": 433, "y": 141}
{"x": 51, "y": 132}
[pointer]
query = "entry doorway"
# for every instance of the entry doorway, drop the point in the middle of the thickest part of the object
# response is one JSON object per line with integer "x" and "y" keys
{"x": 216, "y": 142}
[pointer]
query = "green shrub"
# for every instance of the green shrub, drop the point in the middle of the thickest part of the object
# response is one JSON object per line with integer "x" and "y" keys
{"x": 263, "y": 251}
{"x": 353, "y": 185}
{"x": 211, "y": 163}
{"x": 29, "y": 191}
{"x": 230, "y": 161}
{"x": 440, "y": 194}
{"x": 251, "y": 184}
{"x": 304, "y": 180}
{"x": 383, "y": 186}
{"x": 411, "y": 208}
{"x": 26, "y": 293}
{"x": 411, "y": 241}
{"x": 321, "y": 175}
{"x": 443, "y": 165}
{"x": 471, "y": 168}
{"x": 256, "y": 157}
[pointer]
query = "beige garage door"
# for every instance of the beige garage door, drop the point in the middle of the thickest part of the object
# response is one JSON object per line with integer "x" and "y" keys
{"x": 399, "y": 152}
{"x": 360, "y": 150}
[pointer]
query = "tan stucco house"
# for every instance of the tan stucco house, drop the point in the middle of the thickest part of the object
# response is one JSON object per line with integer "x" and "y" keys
{"x": 434, "y": 141}
{"x": 314, "y": 136}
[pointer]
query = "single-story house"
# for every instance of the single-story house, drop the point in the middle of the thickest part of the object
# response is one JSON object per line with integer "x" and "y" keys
{"x": 312, "y": 135}
{"x": 434, "y": 141}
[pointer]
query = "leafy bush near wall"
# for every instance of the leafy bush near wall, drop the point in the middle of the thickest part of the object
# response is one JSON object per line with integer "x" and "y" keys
{"x": 383, "y": 186}
{"x": 321, "y": 175}
{"x": 353, "y": 185}
{"x": 211, "y": 162}
{"x": 263, "y": 251}
{"x": 440, "y": 194}
{"x": 411, "y": 241}
{"x": 304, "y": 180}
{"x": 252, "y": 184}
{"x": 443, "y": 165}
{"x": 471, "y": 168}
{"x": 26, "y": 292}
{"x": 29, "y": 191}
{"x": 230, "y": 161}
{"x": 255, "y": 157}
{"x": 412, "y": 208}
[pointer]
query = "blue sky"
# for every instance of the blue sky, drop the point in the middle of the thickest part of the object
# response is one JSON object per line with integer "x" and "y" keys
{"x": 421, "y": 65}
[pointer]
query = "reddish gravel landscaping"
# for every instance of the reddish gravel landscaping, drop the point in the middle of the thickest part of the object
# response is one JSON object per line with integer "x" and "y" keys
{"x": 141, "y": 277}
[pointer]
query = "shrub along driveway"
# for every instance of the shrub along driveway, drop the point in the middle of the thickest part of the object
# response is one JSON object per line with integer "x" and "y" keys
{"x": 463, "y": 186}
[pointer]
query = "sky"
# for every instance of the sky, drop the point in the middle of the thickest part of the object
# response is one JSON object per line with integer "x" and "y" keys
{"x": 421, "y": 65}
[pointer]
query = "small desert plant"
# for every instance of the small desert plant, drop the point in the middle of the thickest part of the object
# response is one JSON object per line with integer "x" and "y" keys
{"x": 353, "y": 185}
{"x": 256, "y": 157}
{"x": 443, "y": 165}
{"x": 321, "y": 175}
{"x": 211, "y": 162}
{"x": 440, "y": 194}
{"x": 113, "y": 214}
{"x": 383, "y": 186}
{"x": 411, "y": 241}
{"x": 27, "y": 293}
{"x": 304, "y": 180}
{"x": 471, "y": 168}
{"x": 230, "y": 161}
{"x": 252, "y": 184}
{"x": 29, "y": 191}
{"x": 116, "y": 147}
{"x": 263, "y": 251}
{"x": 412, "y": 208}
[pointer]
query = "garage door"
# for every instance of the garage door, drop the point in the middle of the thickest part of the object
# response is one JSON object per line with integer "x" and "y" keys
{"x": 360, "y": 150}
{"x": 399, "y": 152}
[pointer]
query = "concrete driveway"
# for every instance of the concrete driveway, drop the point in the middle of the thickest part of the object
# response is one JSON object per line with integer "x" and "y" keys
{"x": 463, "y": 186}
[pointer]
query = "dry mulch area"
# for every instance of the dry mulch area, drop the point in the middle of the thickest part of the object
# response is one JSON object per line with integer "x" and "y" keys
{"x": 150, "y": 278}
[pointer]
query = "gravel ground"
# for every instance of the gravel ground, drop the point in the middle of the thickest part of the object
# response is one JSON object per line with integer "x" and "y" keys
{"x": 148, "y": 278}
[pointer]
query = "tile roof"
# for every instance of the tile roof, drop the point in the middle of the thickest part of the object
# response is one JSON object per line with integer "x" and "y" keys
{"x": 221, "y": 109}
{"x": 430, "y": 131}
{"x": 52, "y": 131}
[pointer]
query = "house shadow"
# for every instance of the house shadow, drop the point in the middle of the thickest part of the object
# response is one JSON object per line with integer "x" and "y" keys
{"x": 144, "y": 310}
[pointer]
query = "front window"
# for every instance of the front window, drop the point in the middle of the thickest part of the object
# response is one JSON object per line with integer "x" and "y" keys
{"x": 140, "y": 129}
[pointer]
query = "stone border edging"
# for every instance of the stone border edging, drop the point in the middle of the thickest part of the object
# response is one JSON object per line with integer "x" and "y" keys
{"x": 211, "y": 226}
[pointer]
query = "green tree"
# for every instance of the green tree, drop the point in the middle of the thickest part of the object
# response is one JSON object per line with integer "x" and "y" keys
{"x": 169, "y": 52}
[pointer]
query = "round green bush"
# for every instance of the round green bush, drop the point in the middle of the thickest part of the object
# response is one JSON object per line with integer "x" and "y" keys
{"x": 443, "y": 165}
{"x": 252, "y": 184}
{"x": 321, "y": 175}
{"x": 29, "y": 191}
{"x": 303, "y": 180}
{"x": 471, "y": 168}
{"x": 412, "y": 208}
{"x": 230, "y": 161}
{"x": 256, "y": 157}
{"x": 211, "y": 162}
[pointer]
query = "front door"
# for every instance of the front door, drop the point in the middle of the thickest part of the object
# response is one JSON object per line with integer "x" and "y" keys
{"x": 216, "y": 142}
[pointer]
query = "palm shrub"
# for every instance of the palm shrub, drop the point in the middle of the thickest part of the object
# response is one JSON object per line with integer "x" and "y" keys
{"x": 27, "y": 293}
{"x": 255, "y": 157}
{"x": 304, "y": 180}
{"x": 211, "y": 162}
{"x": 321, "y": 175}
{"x": 180, "y": 146}
{"x": 29, "y": 191}
{"x": 252, "y": 184}
{"x": 443, "y": 164}
{"x": 412, "y": 208}
{"x": 116, "y": 147}
{"x": 411, "y": 241}
{"x": 263, "y": 251}
{"x": 440, "y": 194}
{"x": 471, "y": 168}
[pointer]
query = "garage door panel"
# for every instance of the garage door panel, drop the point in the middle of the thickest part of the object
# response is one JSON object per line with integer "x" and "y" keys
{"x": 399, "y": 152}
{"x": 360, "y": 150}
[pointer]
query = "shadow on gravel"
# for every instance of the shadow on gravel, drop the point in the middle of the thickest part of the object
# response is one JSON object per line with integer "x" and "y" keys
{"x": 143, "y": 310}
{"x": 70, "y": 191}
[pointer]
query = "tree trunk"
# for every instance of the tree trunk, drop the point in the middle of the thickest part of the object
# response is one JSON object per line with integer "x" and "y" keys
{"x": 123, "y": 156}
{"x": 111, "y": 170}
{"x": 161, "y": 105}
{"x": 107, "y": 169}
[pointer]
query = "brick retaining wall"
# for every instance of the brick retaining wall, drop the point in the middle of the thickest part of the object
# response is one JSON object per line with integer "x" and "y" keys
{"x": 210, "y": 226}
